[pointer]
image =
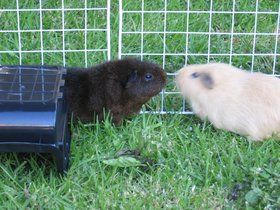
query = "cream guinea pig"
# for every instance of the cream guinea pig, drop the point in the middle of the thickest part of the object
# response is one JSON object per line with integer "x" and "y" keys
{"x": 230, "y": 98}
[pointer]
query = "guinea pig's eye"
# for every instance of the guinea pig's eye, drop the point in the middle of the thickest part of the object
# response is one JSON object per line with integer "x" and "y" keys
{"x": 148, "y": 76}
{"x": 194, "y": 75}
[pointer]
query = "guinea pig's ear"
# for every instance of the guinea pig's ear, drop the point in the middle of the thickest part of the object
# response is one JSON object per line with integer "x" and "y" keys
{"x": 206, "y": 80}
{"x": 131, "y": 79}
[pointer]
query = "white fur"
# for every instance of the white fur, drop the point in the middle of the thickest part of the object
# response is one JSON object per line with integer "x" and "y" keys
{"x": 242, "y": 102}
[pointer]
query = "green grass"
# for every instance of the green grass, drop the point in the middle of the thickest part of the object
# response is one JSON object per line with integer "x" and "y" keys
{"x": 197, "y": 167}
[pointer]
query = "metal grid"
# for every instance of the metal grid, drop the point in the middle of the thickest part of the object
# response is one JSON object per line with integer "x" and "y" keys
{"x": 171, "y": 36}
{"x": 22, "y": 84}
{"x": 72, "y": 43}
{"x": 198, "y": 36}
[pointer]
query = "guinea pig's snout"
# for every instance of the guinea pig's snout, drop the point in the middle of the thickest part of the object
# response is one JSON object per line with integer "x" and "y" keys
{"x": 163, "y": 76}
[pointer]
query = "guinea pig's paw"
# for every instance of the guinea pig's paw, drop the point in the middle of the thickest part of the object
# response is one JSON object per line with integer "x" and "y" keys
{"x": 253, "y": 138}
{"x": 277, "y": 136}
{"x": 117, "y": 120}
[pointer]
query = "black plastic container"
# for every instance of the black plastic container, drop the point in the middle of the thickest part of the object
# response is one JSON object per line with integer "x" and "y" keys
{"x": 33, "y": 112}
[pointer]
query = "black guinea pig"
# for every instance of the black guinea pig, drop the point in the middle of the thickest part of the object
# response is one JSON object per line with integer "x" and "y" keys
{"x": 120, "y": 87}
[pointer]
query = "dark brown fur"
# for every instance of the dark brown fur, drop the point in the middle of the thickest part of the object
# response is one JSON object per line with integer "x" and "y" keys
{"x": 116, "y": 86}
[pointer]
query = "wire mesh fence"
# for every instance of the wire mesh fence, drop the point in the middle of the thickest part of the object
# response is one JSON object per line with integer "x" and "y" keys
{"x": 172, "y": 33}
{"x": 175, "y": 33}
{"x": 54, "y": 32}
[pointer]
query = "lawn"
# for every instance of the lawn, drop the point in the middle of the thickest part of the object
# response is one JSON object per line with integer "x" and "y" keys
{"x": 191, "y": 164}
